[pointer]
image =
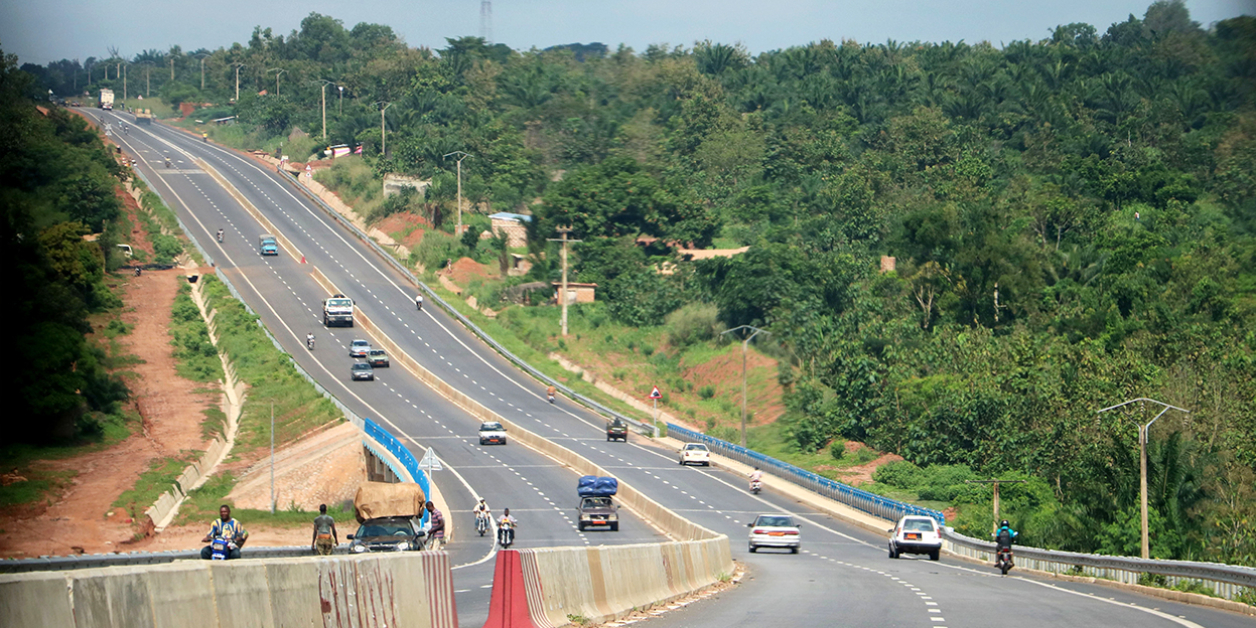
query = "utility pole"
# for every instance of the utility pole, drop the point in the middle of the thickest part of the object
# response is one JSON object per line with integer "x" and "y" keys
{"x": 563, "y": 293}
{"x": 238, "y": 66}
{"x": 996, "y": 484}
{"x": 460, "y": 156}
{"x": 123, "y": 85}
{"x": 1143, "y": 432}
{"x": 202, "y": 58}
{"x": 754, "y": 331}
{"x": 172, "y": 68}
{"x": 148, "y": 85}
{"x": 383, "y": 132}
{"x": 340, "y": 104}
{"x": 272, "y": 457}
{"x": 277, "y": 72}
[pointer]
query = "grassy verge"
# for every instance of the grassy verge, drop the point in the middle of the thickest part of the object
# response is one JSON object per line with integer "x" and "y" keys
{"x": 270, "y": 375}
{"x": 197, "y": 359}
{"x": 163, "y": 228}
{"x": 202, "y": 506}
{"x": 161, "y": 473}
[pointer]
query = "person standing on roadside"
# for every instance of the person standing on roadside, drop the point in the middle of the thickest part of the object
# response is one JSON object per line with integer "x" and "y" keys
{"x": 437, "y": 532}
{"x": 325, "y": 539}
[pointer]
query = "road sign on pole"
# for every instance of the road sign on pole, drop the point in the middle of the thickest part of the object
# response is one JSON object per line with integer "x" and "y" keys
{"x": 655, "y": 394}
{"x": 430, "y": 462}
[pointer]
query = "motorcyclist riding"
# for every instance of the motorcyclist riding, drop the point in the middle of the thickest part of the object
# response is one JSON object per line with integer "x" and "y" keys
{"x": 225, "y": 529}
{"x": 309, "y": 340}
{"x": 205, "y": 137}
{"x": 220, "y": 235}
{"x": 756, "y": 479}
{"x": 418, "y": 302}
{"x": 1003, "y": 539}
{"x": 506, "y": 529}
{"x": 550, "y": 392}
{"x": 482, "y": 515}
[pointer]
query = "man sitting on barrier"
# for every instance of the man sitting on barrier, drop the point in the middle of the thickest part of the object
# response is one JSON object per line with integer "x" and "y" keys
{"x": 226, "y": 531}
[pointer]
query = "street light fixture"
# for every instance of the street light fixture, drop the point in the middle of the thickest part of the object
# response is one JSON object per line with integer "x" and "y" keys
{"x": 460, "y": 156}
{"x": 383, "y": 132}
{"x": 754, "y": 331}
{"x": 277, "y": 72}
{"x": 1143, "y": 431}
{"x": 237, "y": 67}
{"x": 340, "y": 104}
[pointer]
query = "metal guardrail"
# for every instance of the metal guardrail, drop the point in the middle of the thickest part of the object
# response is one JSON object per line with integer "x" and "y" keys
{"x": 870, "y": 503}
{"x": 92, "y": 561}
{"x": 1227, "y": 581}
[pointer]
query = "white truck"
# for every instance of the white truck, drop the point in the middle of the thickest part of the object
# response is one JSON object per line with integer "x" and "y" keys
{"x": 338, "y": 311}
{"x": 106, "y": 99}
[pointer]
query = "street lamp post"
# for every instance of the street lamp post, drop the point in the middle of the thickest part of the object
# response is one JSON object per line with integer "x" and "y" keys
{"x": 324, "y": 92}
{"x": 383, "y": 132}
{"x": 340, "y": 104}
{"x": 238, "y": 66}
{"x": 277, "y": 72}
{"x": 202, "y": 56}
{"x": 460, "y": 156}
{"x": 754, "y": 331}
{"x": 1143, "y": 431}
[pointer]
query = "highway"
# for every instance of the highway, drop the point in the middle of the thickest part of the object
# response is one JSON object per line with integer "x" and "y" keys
{"x": 842, "y": 576}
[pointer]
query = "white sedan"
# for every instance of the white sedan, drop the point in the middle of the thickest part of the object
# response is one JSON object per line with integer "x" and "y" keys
{"x": 695, "y": 453}
{"x": 916, "y": 535}
{"x": 775, "y": 531}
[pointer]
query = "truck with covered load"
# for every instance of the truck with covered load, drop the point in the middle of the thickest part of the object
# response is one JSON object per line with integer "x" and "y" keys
{"x": 143, "y": 116}
{"x": 596, "y": 507}
{"x": 106, "y": 99}
{"x": 338, "y": 311}
{"x": 390, "y": 518}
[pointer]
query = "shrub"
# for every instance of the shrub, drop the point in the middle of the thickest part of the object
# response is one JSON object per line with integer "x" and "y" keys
{"x": 899, "y": 474}
{"x": 647, "y": 350}
{"x": 838, "y": 449}
{"x": 706, "y": 392}
{"x": 696, "y": 322}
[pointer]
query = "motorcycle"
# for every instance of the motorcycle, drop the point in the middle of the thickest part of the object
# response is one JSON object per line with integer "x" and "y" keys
{"x": 481, "y": 524}
{"x": 756, "y": 486}
{"x": 138, "y": 270}
{"x": 1003, "y": 560}
{"x": 309, "y": 342}
{"x": 505, "y": 536}
{"x": 220, "y": 236}
{"x": 220, "y": 549}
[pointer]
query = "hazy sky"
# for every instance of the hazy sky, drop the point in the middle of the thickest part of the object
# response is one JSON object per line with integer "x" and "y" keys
{"x": 40, "y": 31}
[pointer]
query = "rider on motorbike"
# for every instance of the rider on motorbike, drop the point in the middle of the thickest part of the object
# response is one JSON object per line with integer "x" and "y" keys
{"x": 1003, "y": 539}
{"x": 309, "y": 340}
{"x": 506, "y": 528}
{"x": 418, "y": 302}
{"x": 550, "y": 392}
{"x": 482, "y": 515}
{"x": 220, "y": 235}
{"x": 756, "y": 477}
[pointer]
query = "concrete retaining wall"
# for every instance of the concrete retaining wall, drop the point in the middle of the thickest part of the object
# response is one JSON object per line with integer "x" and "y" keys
{"x": 412, "y": 589}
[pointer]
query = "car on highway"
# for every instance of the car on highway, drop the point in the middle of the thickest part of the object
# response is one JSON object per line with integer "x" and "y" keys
{"x": 377, "y": 358}
{"x": 363, "y": 370}
{"x": 915, "y": 534}
{"x": 616, "y": 429}
{"x": 359, "y": 348}
{"x": 775, "y": 531}
{"x": 387, "y": 534}
{"x": 695, "y": 453}
{"x": 597, "y": 511}
{"x": 492, "y": 433}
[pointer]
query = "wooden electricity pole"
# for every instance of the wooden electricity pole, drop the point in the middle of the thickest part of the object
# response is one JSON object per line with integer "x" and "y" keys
{"x": 996, "y": 483}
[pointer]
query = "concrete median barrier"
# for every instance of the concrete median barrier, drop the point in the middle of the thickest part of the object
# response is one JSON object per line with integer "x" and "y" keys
{"x": 412, "y": 589}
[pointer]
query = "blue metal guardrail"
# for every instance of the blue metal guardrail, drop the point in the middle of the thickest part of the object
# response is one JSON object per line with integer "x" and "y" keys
{"x": 398, "y": 449}
{"x": 870, "y": 503}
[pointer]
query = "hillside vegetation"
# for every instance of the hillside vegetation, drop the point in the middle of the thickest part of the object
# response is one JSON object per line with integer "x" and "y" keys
{"x": 1071, "y": 221}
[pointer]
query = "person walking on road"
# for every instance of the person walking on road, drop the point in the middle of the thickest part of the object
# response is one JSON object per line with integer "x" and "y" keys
{"x": 437, "y": 532}
{"x": 325, "y": 539}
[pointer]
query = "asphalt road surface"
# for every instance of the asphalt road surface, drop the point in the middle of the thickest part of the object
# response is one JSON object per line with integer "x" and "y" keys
{"x": 842, "y": 576}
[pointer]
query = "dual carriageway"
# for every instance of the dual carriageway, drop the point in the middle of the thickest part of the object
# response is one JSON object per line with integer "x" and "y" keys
{"x": 842, "y": 576}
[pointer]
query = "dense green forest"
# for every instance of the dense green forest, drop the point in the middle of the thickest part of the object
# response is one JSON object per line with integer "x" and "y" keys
{"x": 1072, "y": 223}
{"x": 56, "y": 186}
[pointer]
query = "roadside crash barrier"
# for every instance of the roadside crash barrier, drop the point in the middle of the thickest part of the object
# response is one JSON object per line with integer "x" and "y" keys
{"x": 369, "y": 591}
{"x": 1226, "y": 581}
{"x": 871, "y": 503}
{"x": 546, "y": 588}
